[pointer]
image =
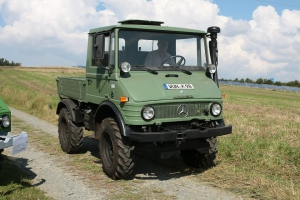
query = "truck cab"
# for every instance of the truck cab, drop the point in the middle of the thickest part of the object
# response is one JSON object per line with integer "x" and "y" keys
{"x": 145, "y": 83}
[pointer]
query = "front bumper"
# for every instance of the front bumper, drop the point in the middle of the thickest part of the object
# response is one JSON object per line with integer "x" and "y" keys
{"x": 182, "y": 134}
{"x": 18, "y": 142}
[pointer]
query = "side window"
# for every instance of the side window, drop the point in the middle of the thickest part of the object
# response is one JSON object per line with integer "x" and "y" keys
{"x": 121, "y": 44}
{"x": 112, "y": 50}
{"x": 203, "y": 53}
{"x": 101, "y": 50}
{"x": 147, "y": 45}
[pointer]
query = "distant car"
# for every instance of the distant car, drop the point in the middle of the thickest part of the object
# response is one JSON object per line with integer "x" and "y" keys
{"x": 19, "y": 142}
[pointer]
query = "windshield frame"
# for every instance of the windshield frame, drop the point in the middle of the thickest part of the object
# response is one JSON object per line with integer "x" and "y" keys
{"x": 122, "y": 48}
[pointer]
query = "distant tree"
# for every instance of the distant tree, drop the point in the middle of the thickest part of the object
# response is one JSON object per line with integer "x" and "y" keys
{"x": 293, "y": 83}
{"x": 268, "y": 81}
{"x": 278, "y": 83}
{"x": 4, "y": 62}
{"x": 260, "y": 81}
{"x": 249, "y": 80}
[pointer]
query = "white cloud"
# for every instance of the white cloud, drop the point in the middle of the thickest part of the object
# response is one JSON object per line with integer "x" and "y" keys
{"x": 54, "y": 32}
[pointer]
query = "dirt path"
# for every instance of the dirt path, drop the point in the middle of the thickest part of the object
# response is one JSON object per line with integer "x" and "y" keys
{"x": 164, "y": 177}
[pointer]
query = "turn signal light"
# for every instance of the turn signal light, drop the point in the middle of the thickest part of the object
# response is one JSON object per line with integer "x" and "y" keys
{"x": 223, "y": 96}
{"x": 124, "y": 99}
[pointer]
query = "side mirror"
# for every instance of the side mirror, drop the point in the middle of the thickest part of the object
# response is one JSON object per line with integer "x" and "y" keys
{"x": 99, "y": 46}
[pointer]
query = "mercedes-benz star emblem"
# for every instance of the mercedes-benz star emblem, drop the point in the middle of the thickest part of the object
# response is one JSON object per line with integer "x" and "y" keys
{"x": 182, "y": 110}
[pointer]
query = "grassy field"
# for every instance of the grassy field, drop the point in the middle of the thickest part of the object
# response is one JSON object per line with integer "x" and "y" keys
{"x": 260, "y": 159}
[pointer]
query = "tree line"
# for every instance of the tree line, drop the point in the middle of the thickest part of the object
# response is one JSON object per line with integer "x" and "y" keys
{"x": 4, "y": 62}
{"x": 294, "y": 83}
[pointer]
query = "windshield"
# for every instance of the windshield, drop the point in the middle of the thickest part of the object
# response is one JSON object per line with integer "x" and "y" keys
{"x": 161, "y": 50}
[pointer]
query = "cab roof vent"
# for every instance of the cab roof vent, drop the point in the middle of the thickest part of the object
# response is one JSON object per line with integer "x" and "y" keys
{"x": 141, "y": 22}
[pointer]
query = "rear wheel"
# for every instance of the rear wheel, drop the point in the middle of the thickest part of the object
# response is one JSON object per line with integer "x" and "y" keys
{"x": 116, "y": 152}
{"x": 194, "y": 158}
{"x": 70, "y": 134}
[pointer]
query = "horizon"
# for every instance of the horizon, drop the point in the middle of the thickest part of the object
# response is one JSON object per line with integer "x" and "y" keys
{"x": 259, "y": 38}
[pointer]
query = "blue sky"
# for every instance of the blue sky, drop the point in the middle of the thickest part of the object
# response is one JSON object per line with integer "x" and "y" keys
{"x": 258, "y": 39}
{"x": 243, "y": 9}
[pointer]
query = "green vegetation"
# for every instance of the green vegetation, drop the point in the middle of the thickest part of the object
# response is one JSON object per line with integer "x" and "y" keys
{"x": 260, "y": 159}
{"x": 4, "y": 62}
{"x": 294, "y": 83}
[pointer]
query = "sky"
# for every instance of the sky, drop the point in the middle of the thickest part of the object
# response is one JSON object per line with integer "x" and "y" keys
{"x": 258, "y": 39}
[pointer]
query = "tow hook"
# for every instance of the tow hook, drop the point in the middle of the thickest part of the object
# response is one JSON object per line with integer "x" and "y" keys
{"x": 180, "y": 139}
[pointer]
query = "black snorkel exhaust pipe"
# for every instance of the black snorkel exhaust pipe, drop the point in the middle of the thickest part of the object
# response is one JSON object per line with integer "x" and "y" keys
{"x": 213, "y": 49}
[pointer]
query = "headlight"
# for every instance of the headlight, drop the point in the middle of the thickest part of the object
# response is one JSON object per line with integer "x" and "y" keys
{"x": 5, "y": 121}
{"x": 125, "y": 67}
{"x": 215, "y": 109}
{"x": 148, "y": 113}
{"x": 212, "y": 68}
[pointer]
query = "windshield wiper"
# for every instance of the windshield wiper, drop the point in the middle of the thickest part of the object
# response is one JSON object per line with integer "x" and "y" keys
{"x": 182, "y": 70}
{"x": 146, "y": 69}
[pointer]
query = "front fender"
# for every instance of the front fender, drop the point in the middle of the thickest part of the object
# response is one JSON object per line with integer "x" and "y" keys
{"x": 72, "y": 107}
{"x": 108, "y": 109}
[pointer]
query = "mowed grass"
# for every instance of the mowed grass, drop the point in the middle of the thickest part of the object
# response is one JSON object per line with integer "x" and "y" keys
{"x": 260, "y": 159}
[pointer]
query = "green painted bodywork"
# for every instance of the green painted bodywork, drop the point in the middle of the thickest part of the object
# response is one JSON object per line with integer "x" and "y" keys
{"x": 142, "y": 87}
{"x": 4, "y": 110}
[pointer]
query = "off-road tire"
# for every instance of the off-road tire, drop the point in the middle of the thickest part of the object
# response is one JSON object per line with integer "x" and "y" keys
{"x": 194, "y": 158}
{"x": 116, "y": 151}
{"x": 1, "y": 158}
{"x": 70, "y": 134}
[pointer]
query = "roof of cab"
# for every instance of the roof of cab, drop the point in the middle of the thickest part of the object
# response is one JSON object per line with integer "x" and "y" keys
{"x": 145, "y": 25}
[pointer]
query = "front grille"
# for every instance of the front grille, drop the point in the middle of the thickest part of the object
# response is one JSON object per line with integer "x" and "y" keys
{"x": 171, "y": 110}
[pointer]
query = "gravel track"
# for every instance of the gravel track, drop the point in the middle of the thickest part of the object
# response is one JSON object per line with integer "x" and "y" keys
{"x": 53, "y": 178}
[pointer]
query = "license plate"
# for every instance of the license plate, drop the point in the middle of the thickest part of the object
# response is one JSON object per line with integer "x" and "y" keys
{"x": 179, "y": 86}
{"x": 20, "y": 143}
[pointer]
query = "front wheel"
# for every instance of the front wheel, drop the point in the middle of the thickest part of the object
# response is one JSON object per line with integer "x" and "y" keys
{"x": 194, "y": 158}
{"x": 70, "y": 134}
{"x": 116, "y": 152}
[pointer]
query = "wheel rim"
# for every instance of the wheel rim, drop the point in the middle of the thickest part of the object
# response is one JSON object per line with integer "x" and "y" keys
{"x": 108, "y": 153}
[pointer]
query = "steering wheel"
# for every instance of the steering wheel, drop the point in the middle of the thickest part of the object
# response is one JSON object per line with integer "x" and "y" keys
{"x": 182, "y": 59}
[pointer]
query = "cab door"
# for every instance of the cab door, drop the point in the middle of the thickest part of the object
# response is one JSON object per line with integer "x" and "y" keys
{"x": 99, "y": 73}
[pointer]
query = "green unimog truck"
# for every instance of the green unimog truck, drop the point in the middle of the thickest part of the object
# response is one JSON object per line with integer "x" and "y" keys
{"x": 145, "y": 83}
{"x": 19, "y": 142}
